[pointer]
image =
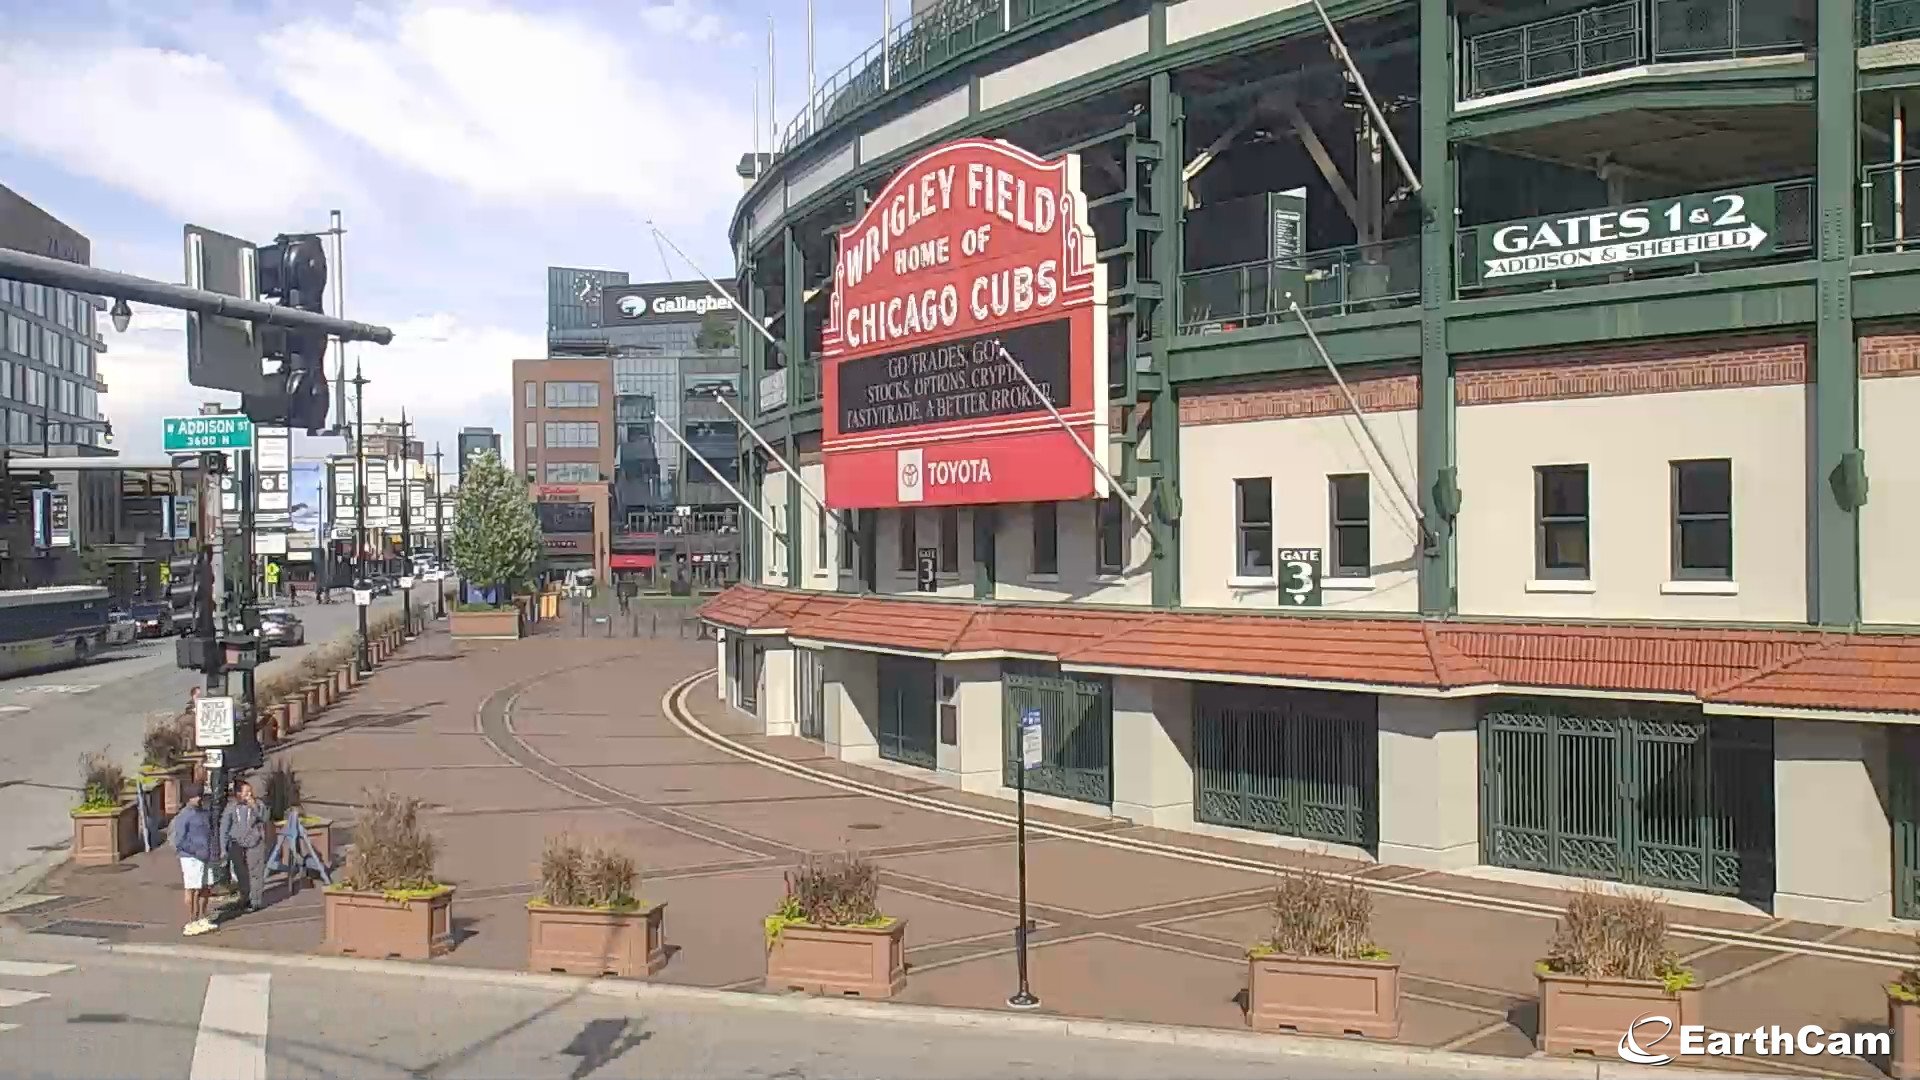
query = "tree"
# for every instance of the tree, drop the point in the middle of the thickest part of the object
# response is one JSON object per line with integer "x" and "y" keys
{"x": 716, "y": 331}
{"x": 496, "y": 539}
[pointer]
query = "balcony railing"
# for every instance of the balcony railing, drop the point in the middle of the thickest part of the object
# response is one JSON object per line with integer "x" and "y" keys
{"x": 1791, "y": 231}
{"x": 914, "y": 46}
{"x": 1882, "y": 21}
{"x": 1890, "y": 207}
{"x": 1629, "y": 33}
{"x": 1337, "y": 281}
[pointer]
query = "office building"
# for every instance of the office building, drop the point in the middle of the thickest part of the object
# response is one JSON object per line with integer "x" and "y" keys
{"x": 475, "y": 440}
{"x": 50, "y": 383}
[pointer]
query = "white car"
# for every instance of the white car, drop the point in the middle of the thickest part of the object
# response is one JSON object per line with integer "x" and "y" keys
{"x": 122, "y": 629}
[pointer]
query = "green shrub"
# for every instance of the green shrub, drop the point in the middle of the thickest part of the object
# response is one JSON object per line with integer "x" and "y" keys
{"x": 101, "y": 781}
{"x": 1906, "y": 987}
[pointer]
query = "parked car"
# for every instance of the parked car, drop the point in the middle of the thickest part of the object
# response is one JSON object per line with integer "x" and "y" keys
{"x": 382, "y": 585}
{"x": 278, "y": 626}
{"x": 153, "y": 619}
{"x": 122, "y": 628}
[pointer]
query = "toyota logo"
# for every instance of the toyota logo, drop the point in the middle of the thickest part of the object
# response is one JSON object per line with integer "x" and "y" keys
{"x": 910, "y": 474}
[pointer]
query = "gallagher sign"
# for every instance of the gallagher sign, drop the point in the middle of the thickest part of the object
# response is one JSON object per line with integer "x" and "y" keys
{"x": 974, "y": 247}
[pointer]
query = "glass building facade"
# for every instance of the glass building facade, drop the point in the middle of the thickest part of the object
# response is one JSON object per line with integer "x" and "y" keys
{"x": 50, "y": 384}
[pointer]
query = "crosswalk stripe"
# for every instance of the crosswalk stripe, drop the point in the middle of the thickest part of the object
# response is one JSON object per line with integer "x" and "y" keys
{"x": 9, "y": 998}
{"x": 232, "y": 1044}
{"x": 31, "y": 969}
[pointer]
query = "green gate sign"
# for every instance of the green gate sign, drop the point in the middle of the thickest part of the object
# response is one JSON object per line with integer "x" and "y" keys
{"x": 189, "y": 433}
{"x": 1703, "y": 227}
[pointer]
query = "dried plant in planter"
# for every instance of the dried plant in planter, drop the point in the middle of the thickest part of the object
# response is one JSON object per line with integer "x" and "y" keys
{"x": 1318, "y": 915}
{"x": 1906, "y": 987}
{"x": 281, "y": 790}
{"x": 1606, "y": 934}
{"x": 392, "y": 852}
{"x": 101, "y": 782}
{"x": 164, "y": 744}
{"x": 561, "y": 868}
{"x": 610, "y": 878}
{"x": 830, "y": 890}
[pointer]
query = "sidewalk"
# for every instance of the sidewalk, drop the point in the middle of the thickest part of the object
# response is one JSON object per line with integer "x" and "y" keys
{"x": 510, "y": 742}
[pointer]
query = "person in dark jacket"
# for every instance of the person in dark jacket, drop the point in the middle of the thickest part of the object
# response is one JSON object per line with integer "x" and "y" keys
{"x": 192, "y": 837}
{"x": 243, "y": 834}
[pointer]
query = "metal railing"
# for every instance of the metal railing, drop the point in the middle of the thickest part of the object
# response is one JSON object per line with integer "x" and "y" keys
{"x": 1882, "y": 21}
{"x": 1793, "y": 238}
{"x": 1890, "y": 207}
{"x": 1335, "y": 281}
{"x": 809, "y": 375}
{"x": 1628, "y": 33}
{"x": 914, "y": 46}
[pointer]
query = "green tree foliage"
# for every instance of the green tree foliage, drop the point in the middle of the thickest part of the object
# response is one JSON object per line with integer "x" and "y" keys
{"x": 496, "y": 538}
{"x": 716, "y": 332}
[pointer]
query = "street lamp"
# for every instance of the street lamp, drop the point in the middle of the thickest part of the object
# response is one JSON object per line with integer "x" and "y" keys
{"x": 360, "y": 581}
{"x": 439, "y": 536}
{"x": 406, "y": 530}
{"x": 121, "y": 314}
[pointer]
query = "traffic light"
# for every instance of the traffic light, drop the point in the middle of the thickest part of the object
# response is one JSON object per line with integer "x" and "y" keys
{"x": 293, "y": 271}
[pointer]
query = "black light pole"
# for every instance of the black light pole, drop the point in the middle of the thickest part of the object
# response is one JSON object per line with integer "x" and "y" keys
{"x": 360, "y": 582}
{"x": 439, "y": 536}
{"x": 1029, "y": 721}
{"x": 406, "y": 531}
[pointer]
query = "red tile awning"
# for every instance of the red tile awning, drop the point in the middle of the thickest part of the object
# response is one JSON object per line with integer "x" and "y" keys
{"x": 1786, "y": 669}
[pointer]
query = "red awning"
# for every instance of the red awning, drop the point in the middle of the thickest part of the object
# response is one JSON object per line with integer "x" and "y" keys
{"x": 633, "y": 562}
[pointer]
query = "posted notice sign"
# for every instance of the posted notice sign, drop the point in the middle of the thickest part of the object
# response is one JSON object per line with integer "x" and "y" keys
{"x": 188, "y": 433}
{"x": 1704, "y": 227}
{"x": 213, "y": 722}
{"x": 975, "y": 251}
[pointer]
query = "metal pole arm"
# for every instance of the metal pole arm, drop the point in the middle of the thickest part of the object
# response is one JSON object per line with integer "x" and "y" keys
{"x": 721, "y": 289}
{"x": 59, "y": 274}
{"x": 785, "y": 465}
{"x": 1100, "y": 466}
{"x": 1366, "y": 95}
{"x": 731, "y": 490}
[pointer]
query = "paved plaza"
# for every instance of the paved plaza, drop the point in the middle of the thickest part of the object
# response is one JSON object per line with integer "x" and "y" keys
{"x": 624, "y": 738}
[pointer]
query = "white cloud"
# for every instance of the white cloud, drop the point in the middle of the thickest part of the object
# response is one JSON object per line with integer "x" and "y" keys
{"x": 445, "y": 372}
{"x": 176, "y": 129}
{"x": 520, "y": 108}
{"x": 684, "y": 18}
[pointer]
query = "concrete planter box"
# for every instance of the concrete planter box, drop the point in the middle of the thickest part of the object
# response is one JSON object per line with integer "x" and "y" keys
{"x": 104, "y": 837}
{"x": 1589, "y": 1015}
{"x": 501, "y": 624}
{"x": 294, "y": 711}
{"x": 342, "y": 679}
{"x": 1904, "y": 1018}
{"x": 1324, "y": 996}
{"x": 855, "y": 961}
{"x": 595, "y": 941}
{"x": 171, "y": 782}
{"x": 371, "y": 925}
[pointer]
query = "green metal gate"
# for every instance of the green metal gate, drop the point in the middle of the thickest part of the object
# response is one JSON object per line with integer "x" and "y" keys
{"x": 1295, "y": 762}
{"x": 909, "y": 713}
{"x": 1903, "y": 753}
{"x": 810, "y": 692}
{"x": 1641, "y": 793}
{"x": 746, "y": 673}
{"x": 1076, "y": 734}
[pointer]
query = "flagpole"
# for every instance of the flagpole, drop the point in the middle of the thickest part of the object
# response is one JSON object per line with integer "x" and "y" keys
{"x": 812, "y": 89}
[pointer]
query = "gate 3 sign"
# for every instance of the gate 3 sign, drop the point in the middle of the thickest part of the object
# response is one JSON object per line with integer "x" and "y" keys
{"x": 1688, "y": 228}
{"x": 974, "y": 247}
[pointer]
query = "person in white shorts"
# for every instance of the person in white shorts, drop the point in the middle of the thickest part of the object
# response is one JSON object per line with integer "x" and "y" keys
{"x": 192, "y": 837}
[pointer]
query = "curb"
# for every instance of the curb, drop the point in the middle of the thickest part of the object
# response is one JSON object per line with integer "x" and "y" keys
{"x": 1236, "y": 1042}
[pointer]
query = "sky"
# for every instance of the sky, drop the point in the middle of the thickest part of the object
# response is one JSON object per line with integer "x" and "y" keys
{"x": 469, "y": 144}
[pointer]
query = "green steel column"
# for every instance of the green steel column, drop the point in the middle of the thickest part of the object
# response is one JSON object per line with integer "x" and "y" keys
{"x": 1834, "y": 529}
{"x": 1164, "y": 418}
{"x": 795, "y": 347}
{"x": 1435, "y": 419}
{"x": 750, "y": 528}
{"x": 986, "y": 530}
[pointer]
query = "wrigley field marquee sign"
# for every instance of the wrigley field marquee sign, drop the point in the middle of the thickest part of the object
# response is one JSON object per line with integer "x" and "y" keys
{"x": 1704, "y": 227}
{"x": 974, "y": 252}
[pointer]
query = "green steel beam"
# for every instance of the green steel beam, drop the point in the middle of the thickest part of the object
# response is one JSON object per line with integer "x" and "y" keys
{"x": 986, "y": 552}
{"x": 1833, "y": 528}
{"x": 1168, "y": 128}
{"x": 1435, "y": 416}
{"x": 1789, "y": 84}
{"x": 795, "y": 347}
{"x": 1283, "y": 347}
{"x": 1749, "y": 299}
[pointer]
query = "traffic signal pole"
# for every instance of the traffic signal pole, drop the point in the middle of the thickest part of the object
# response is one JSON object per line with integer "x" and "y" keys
{"x": 406, "y": 530}
{"x": 439, "y": 536}
{"x": 360, "y": 510}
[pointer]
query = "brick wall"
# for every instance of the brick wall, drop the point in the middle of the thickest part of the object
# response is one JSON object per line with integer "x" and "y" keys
{"x": 1651, "y": 368}
{"x": 1299, "y": 396}
{"x": 1886, "y": 356}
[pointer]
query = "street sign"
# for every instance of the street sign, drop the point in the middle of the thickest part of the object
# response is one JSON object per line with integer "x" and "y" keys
{"x": 1702, "y": 227}
{"x": 1031, "y": 750}
{"x": 363, "y": 597}
{"x": 928, "y": 565}
{"x": 213, "y": 722}
{"x": 406, "y": 581}
{"x": 1300, "y": 577}
{"x": 186, "y": 433}
{"x": 214, "y": 759}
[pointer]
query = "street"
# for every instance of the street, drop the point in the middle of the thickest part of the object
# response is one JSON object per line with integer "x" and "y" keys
{"x": 48, "y": 720}
{"x": 72, "y": 1009}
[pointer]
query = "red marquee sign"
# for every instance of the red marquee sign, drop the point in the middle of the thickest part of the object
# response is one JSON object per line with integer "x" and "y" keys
{"x": 973, "y": 248}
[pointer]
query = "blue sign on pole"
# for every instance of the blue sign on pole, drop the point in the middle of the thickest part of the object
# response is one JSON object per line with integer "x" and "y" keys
{"x": 1030, "y": 746}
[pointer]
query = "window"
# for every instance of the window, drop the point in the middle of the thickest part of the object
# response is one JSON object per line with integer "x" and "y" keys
{"x": 65, "y": 308}
{"x": 50, "y": 346}
{"x": 572, "y": 472}
{"x": 1046, "y": 538}
{"x": 949, "y": 540}
{"x": 1703, "y": 520}
{"x": 820, "y": 539}
{"x": 36, "y": 388}
{"x": 17, "y": 334}
{"x": 849, "y": 524}
{"x": 909, "y": 553}
{"x": 1352, "y": 539}
{"x": 1253, "y": 527}
{"x": 573, "y": 435}
{"x": 533, "y": 435}
{"x": 1110, "y": 527}
{"x": 532, "y": 400}
{"x": 1560, "y": 497}
{"x": 573, "y": 395}
{"x": 6, "y": 378}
